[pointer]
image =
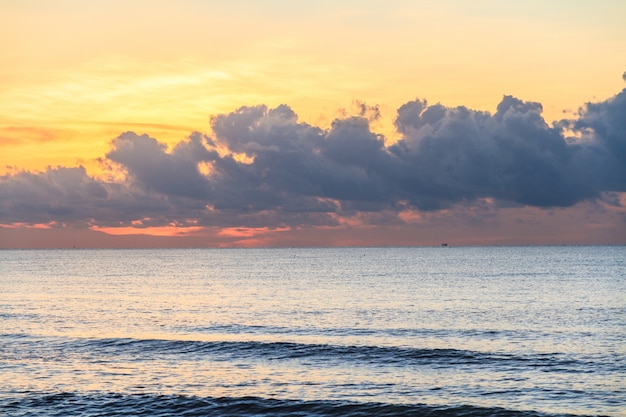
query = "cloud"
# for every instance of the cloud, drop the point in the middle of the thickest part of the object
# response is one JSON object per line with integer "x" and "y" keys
{"x": 62, "y": 196}
{"x": 262, "y": 168}
{"x": 605, "y": 124}
{"x": 48, "y": 196}
{"x": 372, "y": 113}
{"x": 174, "y": 173}
{"x": 454, "y": 154}
{"x": 25, "y": 135}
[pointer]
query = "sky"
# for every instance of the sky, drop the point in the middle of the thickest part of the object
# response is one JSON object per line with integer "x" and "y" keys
{"x": 329, "y": 123}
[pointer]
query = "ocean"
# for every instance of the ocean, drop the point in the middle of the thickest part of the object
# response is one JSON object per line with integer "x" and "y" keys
{"x": 440, "y": 331}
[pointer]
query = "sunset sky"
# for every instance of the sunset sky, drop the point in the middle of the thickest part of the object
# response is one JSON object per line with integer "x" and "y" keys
{"x": 284, "y": 123}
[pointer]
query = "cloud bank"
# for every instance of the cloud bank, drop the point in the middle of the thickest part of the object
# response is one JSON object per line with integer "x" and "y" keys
{"x": 261, "y": 167}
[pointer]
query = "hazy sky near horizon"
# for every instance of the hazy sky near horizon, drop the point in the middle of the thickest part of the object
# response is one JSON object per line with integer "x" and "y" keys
{"x": 242, "y": 123}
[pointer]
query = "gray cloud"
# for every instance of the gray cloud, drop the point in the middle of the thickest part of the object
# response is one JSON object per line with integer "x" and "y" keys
{"x": 605, "y": 124}
{"x": 454, "y": 154}
{"x": 174, "y": 173}
{"x": 372, "y": 113}
{"x": 51, "y": 195}
{"x": 298, "y": 174}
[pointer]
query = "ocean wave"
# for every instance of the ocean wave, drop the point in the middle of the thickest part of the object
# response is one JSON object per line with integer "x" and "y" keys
{"x": 112, "y": 404}
{"x": 313, "y": 353}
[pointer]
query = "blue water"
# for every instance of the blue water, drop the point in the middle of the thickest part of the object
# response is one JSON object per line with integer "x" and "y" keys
{"x": 314, "y": 332}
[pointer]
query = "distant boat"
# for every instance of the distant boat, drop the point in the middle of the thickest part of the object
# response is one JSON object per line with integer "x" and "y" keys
{"x": 444, "y": 245}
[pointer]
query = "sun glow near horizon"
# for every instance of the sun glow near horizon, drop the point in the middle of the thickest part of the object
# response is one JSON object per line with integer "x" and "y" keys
{"x": 85, "y": 73}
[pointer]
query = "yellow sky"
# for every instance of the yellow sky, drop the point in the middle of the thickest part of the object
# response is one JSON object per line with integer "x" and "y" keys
{"x": 76, "y": 74}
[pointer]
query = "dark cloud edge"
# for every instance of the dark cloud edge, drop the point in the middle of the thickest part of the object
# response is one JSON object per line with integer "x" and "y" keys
{"x": 296, "y": 174}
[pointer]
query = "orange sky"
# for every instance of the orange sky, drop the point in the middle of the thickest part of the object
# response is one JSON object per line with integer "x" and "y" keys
{"x": 78, "y": 74}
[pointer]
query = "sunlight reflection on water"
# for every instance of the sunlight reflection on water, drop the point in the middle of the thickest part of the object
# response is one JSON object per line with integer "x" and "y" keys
{"x": 520, "y": 324}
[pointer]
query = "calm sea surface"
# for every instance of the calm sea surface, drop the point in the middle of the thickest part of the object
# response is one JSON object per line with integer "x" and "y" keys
{"x": 313, "y": 332}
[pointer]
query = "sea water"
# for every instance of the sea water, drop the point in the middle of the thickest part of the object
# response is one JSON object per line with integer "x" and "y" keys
{"x": 311, "y": 332}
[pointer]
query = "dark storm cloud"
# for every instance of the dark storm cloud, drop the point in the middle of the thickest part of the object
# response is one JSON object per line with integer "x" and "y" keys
{"x": 56, "y": 194}
{"x": 295, "y": 162}
{"x": 605, "y": 124}
{"x": 174, "y": 173}
{"x": 453, "y": 154}
{"x": 68, "y": 195}
{"x": 265, "y": 168}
